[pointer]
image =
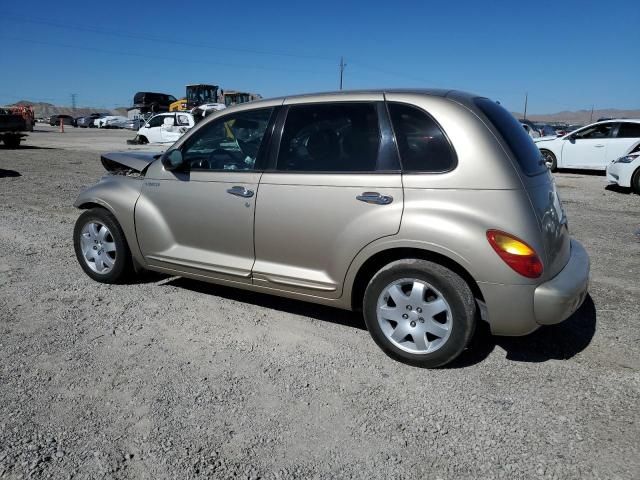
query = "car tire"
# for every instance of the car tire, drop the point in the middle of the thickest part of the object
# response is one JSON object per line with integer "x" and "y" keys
{"x": 635, "y": 181}
{"x": 550, "y": 159}
{"x": 11, "y": 141}
{"x": 103, "y": 252}
{"x": 431, "y": 319}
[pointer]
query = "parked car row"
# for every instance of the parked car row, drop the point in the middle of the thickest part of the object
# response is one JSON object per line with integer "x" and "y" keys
{"x": 537, "y": 130}
{"x": 97, "y": 120}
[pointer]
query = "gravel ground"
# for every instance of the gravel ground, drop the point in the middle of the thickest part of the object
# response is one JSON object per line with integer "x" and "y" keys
{"x": 170, "y": 378}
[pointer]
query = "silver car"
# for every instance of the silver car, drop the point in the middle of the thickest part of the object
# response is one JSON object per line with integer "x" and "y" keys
{"x": 426, "y": 210}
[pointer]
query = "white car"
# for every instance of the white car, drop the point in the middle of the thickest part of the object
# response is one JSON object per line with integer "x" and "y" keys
{"x": 625, "y": 171}
{"x": 592, "y": 147}
{"x": 114, "y": 121}
{"x": 165, "y": 127}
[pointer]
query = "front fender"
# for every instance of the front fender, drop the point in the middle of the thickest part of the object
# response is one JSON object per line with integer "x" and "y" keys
{"x": 118, "y": 194}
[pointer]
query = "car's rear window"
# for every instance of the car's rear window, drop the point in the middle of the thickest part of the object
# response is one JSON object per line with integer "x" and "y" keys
{"x": 527, "y": 154}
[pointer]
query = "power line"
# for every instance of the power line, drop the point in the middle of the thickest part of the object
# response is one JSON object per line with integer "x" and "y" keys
{"x": 157, "y": 57}
{"x": 155, "y": 40}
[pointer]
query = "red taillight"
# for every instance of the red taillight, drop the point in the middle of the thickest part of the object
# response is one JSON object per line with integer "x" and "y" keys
{"x": 515, "y": 253}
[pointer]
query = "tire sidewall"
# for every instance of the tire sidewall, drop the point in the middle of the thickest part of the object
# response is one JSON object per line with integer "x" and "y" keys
{"x": 454, "y": 290}
{"x": 635, "y": 181}
{"x": 123, "y": 255}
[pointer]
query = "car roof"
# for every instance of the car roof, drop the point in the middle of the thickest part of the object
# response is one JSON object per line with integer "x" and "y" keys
{"x": 321, "y": 96}
{"x": 613, "y": 120}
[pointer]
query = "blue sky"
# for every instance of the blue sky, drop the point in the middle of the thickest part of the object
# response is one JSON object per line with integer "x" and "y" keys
{"x": 566, "y": 54}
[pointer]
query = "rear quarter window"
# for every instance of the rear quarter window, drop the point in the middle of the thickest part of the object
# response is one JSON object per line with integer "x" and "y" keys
{"x": 525, "y": 151}
{"x": 422, "y": 144}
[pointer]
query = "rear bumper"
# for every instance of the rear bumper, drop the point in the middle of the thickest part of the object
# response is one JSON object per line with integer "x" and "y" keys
{"x": 555, "y": 300}
{"x": 515, "y": 310}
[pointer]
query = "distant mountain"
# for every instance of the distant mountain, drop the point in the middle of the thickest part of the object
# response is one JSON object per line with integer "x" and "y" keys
{"x": 45, "y": 110}
{"x": 581, "y": 116}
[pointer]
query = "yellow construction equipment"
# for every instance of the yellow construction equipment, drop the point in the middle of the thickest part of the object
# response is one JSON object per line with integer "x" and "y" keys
{"x": 196, "y": 95}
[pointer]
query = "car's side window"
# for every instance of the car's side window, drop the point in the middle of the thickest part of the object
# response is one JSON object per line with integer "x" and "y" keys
{"x": 157, "y": 121}
{"x": 330, "y": 137}
{"x": 228, "y": 143}
{"x": 597, "y": 131}
{"x": 629, "y": 130}
{"x": 183, "y": 120}
{"x": 422, "y": 144}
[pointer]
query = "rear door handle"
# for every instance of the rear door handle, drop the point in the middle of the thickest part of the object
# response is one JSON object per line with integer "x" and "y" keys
{"x": 240, "y": 192}
{"x": 598, "y": 146}
{"x": 375, "y": 197}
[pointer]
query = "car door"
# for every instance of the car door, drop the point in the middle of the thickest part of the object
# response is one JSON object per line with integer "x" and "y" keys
{"x": 626, "y": 136}
{"x": 199, "y": 219}
{"x": 173, "y": 131}
{"x": 333, "y": 187}
{"x": 152, "y": 129}
{"x": 587, "y": 148}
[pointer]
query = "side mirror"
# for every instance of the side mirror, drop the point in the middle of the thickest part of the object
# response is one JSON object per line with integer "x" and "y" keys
{"x": 172, "y": 160}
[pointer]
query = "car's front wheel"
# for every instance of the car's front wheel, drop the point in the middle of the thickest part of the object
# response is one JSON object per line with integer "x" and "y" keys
{"x": 101, "y": 247}
{"x": 419, "y": 312}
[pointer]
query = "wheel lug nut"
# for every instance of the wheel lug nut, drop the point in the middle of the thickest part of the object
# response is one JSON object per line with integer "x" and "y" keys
{"x": 408, "y": 307}
{"x": 419, "y": 310}
{"x": 413, "y": 324}
{"x": 421, "y": 320}
{"x": 405, "y": 316}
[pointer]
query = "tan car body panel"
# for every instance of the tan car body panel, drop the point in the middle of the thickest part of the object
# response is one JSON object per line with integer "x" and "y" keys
{"x": 189, "y": 221}
{"x": 319, "y": 252}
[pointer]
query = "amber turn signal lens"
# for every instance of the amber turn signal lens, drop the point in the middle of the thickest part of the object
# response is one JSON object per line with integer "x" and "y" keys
{"x": 515, "y": 253}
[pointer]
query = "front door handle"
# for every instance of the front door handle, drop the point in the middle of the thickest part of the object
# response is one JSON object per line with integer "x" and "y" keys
{"x": 240, "y": 192}
{"x": 375, "y": 197}
{"x": 599, "y": 146}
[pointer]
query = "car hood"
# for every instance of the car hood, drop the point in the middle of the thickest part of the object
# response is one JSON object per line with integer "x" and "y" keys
{"x": 136, "y": 161}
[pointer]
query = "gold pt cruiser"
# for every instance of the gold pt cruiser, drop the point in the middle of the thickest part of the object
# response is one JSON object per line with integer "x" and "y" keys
{"x": 427, "y": 210}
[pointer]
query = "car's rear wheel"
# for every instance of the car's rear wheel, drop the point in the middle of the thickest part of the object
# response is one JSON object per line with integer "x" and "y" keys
{"x": 635, "y": 181}
{"x": 101, "y": 247}
{"x": 550, "y": 160}
{"x": 419, "y": 312}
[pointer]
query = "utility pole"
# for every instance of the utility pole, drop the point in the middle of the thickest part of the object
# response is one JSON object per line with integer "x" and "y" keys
{"x": 73, "y": 101}
{"x": 342, "y": 65}
{"x": 591, "y": 117}
{"x": 526, "y": 99}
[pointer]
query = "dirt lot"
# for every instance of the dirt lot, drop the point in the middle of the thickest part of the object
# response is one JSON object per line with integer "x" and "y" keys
{"x": 169, "y": 378}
